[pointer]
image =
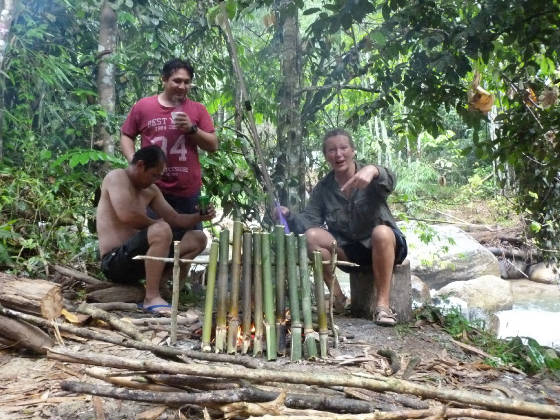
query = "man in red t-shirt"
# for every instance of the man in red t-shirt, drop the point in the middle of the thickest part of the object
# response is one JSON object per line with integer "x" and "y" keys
{"x": 179, "y": 126}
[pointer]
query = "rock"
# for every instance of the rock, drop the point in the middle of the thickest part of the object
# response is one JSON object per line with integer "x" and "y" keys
{"x": 544, "y": 273}
{"x": 420, "y": 292}
{"x": 528, "y": 294}
{"x": 450, "y": 255}
{"x": 488, "y": 293}
{"x": 512, "y": 269}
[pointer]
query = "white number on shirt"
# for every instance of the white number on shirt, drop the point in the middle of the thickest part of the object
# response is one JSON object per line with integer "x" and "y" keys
{"x": 180, "y": 148}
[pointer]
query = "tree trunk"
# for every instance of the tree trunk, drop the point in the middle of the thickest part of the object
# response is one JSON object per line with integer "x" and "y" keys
{"x": 290, "y": 166}
{"x": 32, "y": 296}
{"x": 106, "y": 69}
{"x": 23, "y": 335}
{"x": 6, "y": 16}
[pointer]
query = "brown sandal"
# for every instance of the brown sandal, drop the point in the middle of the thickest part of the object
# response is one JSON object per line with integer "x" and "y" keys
{"x": 385, "y": 317}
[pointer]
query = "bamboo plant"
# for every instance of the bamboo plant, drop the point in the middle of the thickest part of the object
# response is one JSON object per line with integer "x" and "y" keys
{"x": 308, "y": 331}
{"x": 280, "y": 289}
{"x": 320, "y": 300}
{"x": 209, "y": 301}
{"x": 291, "y": 260}
{"x": 222, "y": 292}
{"x": 258, "y": 298}
{"x": 268, "y": 292}
{"x": 247, "y": 280}
{"x": 233, "y": 324}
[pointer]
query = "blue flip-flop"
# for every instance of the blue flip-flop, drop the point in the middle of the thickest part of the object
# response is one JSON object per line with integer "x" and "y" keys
{"x": 152, "y": 309}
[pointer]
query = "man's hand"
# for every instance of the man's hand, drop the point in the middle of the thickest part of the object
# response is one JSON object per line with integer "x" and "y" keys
{"x": 285, "y": 211}
{"x": 361, "y": 179}
{"x": 209, "y": 215}
{"x": 182, "y": 121}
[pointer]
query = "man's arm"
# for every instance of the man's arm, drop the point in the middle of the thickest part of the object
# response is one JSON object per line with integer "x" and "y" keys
{"x": 122, "y": 200}
{"x": 127, "y": 147}
{"x": 160, "y": 205}
{"x": 206, "y": 141}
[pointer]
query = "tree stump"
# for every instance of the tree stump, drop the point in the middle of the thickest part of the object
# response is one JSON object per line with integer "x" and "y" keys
{"x": 32, "y": 296}
{"x": 362, "y": 293}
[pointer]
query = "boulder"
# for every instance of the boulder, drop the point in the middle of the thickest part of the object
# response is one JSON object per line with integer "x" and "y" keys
{"x": 544, "y": 273}
{"x": 420, "y": 292}
{"x": 512, "y": 269}
{"x": 450, "y": 254}
{"x": 485, "y": 294}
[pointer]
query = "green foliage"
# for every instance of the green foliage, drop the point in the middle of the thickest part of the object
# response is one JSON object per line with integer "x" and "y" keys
{"x": 522, "y": 352}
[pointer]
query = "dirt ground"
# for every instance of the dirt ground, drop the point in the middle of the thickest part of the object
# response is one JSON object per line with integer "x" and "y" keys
{"x": 30, "y": 384}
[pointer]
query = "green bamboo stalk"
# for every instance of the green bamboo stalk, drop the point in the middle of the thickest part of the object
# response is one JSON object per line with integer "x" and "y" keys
{"x": 233, "y": 317}
{"x": 291, "y": 261}
{"x": 308, "y": 331}
{"x": 320, "y": 300}
{"x": 268, "y": 292}
{"x": 209, "y": 301}
{"x": 258, "y": 289}
{"x": 247, "y": 280}
{"x": 222, "y": 292}
{"x": 175, "y": 293}
{"x": 280, "y": 289}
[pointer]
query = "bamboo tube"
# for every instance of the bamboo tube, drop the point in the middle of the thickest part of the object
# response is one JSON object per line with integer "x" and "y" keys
{"x": 222, "y": 291}
{"x": 280, "y": 289}
{"x": 332, "y": 268}
{"x": 175, "y": 293}
{"x": 247, "y": 280}
{"x": 268, "y": 292}
{"x": 209, "y": 301}
{"x": 308, "y": 331}
{"x": 291, "y": 260}
{"x": 258, "y": 299}
{"x": 233, "y": 324}
{"x": 320, "y": 300}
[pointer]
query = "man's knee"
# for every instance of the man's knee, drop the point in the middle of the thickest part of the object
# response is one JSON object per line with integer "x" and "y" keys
{"x": 194, "y": 241}
{"x": 160, "y": 232}
{"x": 382, "y": 235}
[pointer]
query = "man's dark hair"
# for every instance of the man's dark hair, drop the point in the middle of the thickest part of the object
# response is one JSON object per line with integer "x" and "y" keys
{"x": 337, "y": 132}
{"x": 150, "y": 155}
{"x": 173, "y": 65}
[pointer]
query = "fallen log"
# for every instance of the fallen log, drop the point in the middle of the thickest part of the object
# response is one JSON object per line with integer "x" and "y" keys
{"x": 123, "y": 326}
{"x": 432, "y": 413}
{"x": 161, "y": 351}
{"x": 33, "y": 296}
{"x": 375, "y": 383}
{"x": 245, "y": 394}
{"x": 116, "y": 306}
{"x": 86, "y": 278}
{"x": 20, "y": 334}
{"x": 117, "y": 294}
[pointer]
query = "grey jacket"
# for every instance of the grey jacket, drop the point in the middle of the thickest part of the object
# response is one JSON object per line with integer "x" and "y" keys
{"x": 348, "y": 220}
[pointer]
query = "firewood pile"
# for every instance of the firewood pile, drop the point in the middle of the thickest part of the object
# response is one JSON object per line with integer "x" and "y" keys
{"x": 132, "y": 361}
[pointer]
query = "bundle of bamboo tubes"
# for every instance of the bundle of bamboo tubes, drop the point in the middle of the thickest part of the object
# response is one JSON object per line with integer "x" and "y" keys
{"x": 266, "y": 263}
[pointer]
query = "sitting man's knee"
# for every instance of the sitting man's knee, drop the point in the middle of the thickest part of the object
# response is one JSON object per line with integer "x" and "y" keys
{"x": 160, "y": 231}
{"x": 382, "y": 234}
{"x": 314, "y": 236}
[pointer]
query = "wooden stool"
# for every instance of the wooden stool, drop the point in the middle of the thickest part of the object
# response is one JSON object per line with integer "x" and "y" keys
{"x": 362, "y": 293}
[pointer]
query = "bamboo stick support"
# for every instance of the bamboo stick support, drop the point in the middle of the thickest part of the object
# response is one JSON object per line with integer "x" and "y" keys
{"x": 221, "y": 314}
{"x": 233, "y": 324}
{"x": 268, "y": 292}
{"x": 308, "y": 331}
{"x": 247, "y": 280}
{"x": 175, "y": 294}
{"x": 332, "y": 268}
{"x": 320, "y": 300}
{"x": 209, "y": 300}
{"x": 258, "y": 298}
{"x": 280, "y": 289}
{"x": 166, "y": 259}
{"x": 293, "y": 289}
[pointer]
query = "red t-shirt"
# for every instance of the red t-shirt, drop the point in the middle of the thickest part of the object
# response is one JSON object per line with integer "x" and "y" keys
{"x": 153, "y": 122}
